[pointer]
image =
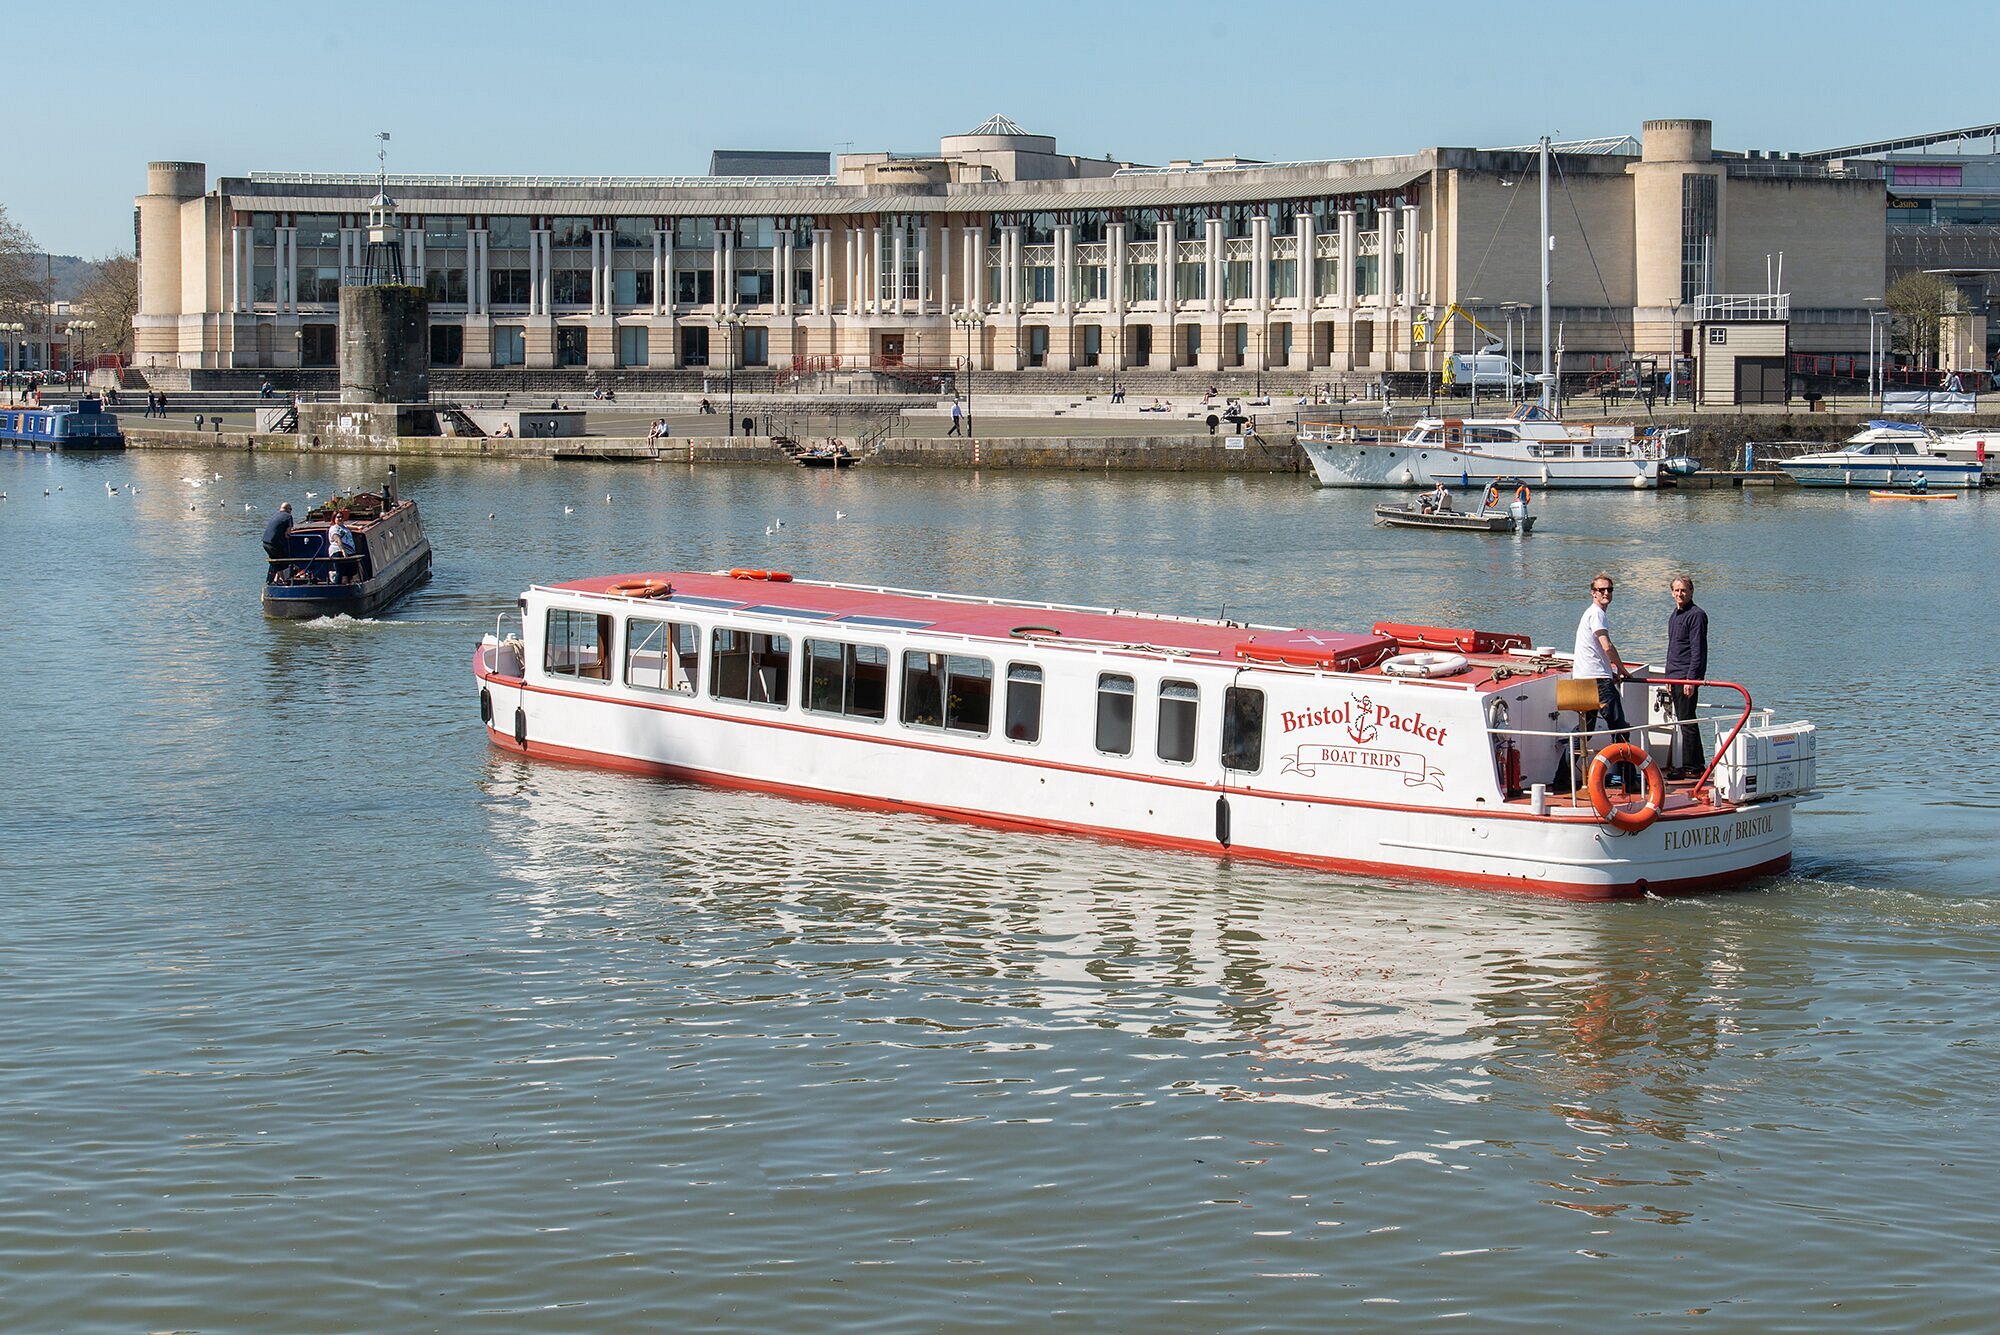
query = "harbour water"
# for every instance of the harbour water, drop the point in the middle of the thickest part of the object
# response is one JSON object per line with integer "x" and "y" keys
{"x": 320, "y": 1015}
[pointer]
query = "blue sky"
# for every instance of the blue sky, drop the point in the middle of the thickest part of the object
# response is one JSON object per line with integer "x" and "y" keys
{"x": 649, "y": 89}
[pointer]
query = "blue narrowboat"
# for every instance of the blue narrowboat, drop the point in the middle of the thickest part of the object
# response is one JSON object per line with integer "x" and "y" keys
{"x": 83, "y": 425}
{"x": 390, "y": 556}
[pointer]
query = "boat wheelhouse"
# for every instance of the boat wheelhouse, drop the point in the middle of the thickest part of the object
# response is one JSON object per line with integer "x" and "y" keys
{"x": 1403, "y": 751}
{"x": 83, "y": 425}
{"x": 1472, "y": 452}
{"x": 1881, "y": 454}
{"x": 391, "y": 557}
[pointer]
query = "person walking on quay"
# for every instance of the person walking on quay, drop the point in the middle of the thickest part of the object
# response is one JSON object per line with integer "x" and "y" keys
{"x": 957, "y": 417}
{"x": 275, "y": 530}
{"x": 1687, "y": 659}
{"x": 1598, "y": 660}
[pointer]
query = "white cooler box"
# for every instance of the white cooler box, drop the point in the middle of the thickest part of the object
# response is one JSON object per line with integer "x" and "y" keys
{"x": 1768, "y": 760}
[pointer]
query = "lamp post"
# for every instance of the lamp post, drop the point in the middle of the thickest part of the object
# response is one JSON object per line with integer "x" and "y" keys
{"x": 75, "y": 329}
{"x": 732, "y": 323}
{"x": 1510, "y": 307}
{"x": 1874, "y": 365}
{"x": 10, "y": 345}
{"x": 970, "y": 321}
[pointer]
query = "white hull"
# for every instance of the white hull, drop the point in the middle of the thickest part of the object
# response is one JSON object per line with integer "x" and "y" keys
{"x": 1894, "y": 471}
{"x": 1399, "y": 465}
{"x": 1358, "y": 773}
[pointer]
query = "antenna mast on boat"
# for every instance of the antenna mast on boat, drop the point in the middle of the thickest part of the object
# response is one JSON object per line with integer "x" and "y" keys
{"x": 1548, "y": 243}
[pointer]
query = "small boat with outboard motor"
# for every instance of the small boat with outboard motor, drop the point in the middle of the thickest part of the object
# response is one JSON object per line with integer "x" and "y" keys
{"x": 388, "y": 555}
{"x": 1424, "y": 512}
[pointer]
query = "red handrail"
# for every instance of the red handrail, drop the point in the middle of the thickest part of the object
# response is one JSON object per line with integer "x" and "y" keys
{"x": 1741, "y": 720}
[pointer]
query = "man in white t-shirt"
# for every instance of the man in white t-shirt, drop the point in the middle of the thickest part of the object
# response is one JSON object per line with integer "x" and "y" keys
{"x": 1597, "y": 659}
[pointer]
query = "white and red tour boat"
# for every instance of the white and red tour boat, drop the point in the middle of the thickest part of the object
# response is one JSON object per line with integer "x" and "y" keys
{"x": 1404, "y": 751}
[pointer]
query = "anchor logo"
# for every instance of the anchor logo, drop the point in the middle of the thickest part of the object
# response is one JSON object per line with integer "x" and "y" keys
{"x": 1360, "y": 725}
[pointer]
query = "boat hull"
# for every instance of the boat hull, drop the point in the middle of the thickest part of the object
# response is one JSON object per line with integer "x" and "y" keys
{"x": 1400, "y": 466}
{"x": 1570, "y": 853}
{"x": 1455, "y": 521}
{"x": 1886, "y": 473}
{"x": 303, "y": 602}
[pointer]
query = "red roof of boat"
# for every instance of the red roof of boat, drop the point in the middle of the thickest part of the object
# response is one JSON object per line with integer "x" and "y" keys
{"x": 975, "y": 617}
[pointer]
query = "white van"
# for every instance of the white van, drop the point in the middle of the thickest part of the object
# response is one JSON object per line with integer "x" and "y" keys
{"x": 1490, "y": 370}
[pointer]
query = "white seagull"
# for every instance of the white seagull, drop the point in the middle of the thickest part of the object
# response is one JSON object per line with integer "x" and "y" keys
{"x": 840, "y": 514}
{"x": 569, "y": 509}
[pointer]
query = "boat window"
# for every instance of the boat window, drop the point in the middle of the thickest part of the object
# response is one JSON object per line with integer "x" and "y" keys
{"x": 750, "y": 666}
{"x": 1431, "y": 437}
{"x": 1906, "y": 448}
{"x": 660, "y": 655}
{"x": 1243, "y": 729}
{"x": 1490, "y": 435}
{"x": 950, "y": 691}
{"x": 851, "y": 680}
{"x": 578, "y": 644}
{"x": 1024, "y": 702}
{"x": 1114, "y": 714}
{"x": 1179, "y": 701}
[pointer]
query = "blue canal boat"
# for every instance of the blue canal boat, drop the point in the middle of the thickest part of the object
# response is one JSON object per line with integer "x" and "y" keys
{"x": 389, "y": 556}
{"x": 83, "y": 425}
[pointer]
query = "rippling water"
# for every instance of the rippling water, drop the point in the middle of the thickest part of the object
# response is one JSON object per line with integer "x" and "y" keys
{"x": 318, "y": 1015}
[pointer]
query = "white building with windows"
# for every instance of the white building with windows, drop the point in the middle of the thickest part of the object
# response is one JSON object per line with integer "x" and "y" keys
{"x": 1002, "y": 250}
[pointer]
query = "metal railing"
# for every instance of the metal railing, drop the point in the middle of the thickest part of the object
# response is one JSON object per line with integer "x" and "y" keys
{"x": 1580, "y": 751}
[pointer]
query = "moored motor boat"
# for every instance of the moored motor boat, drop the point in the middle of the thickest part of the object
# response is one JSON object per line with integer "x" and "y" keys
{"x": 1473, "y": 452}
{"x": 391, "y": 557}
{"x": 1404, "y": 751}
{"x": 1881, "y": 454}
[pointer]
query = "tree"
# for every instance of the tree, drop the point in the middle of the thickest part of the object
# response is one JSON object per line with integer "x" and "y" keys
{"x": 21, "y": 289}
{"x": 1920, "y": 301}
{"x": 109, "y": 300}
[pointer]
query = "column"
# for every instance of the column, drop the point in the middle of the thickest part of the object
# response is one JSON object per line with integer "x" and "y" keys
{"x": 1066, "y": 269}
{"x": 924, "y": 265}
{"x": 784, "y": 274}
{"x": 1308, "y": 263}
{"x": 1114, "y": 247}
{"x": 944, "y": 262}
{"x": 822, "y": 302}
{"x": 1413, "y": 289}
{"x": 973, "y": 238}
{"x": 898, "y": 259}
{"x": 477, "y": 267}
{"x": 659, "y": 271}
{"x": 729, "y": 268}
{"x": 289, "y": 269}
{"x": 239, "y": 256}
{"x": 871, "y": 270}
{"x": 1010, "y": 272}
{"x": 1164, "y": 236}
{"x": 1212, "y": 231}
{"x": 718, "y": 278}
{"x": 1344, "y": 262}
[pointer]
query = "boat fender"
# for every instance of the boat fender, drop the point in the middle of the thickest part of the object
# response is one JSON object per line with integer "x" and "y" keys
{"x": 1425, "y": 665}
{"x": 775, "y": 576}
{"x": 1630, "y": 819}
{"x": 1222, "y": 820}
{"x": 521, "y": 728}
{"x": 485, "y": 706}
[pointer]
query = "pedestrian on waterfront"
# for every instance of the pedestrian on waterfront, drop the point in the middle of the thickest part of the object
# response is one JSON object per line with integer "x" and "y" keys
{"x": 275, "y": 530}
{"x": 957, "y": 417}
{"x": 1598, "y": 660}
{"x": 1687, "y": 659}
{"x": 264, "y": 390}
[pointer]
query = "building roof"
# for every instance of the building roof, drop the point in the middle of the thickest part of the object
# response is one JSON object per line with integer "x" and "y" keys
{"x": 683, "y": 196}
{"x": 998, "y": 125}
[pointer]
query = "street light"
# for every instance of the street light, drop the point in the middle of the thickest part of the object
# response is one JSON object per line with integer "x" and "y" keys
{"x": 969, "y": 321}
{"x": 9, "y": 345}
{"x": 1510, "y": 307}
{"x": 76, "y": 327}
{"x": 732, "y": 323}
{"x": 1874, "y": 364}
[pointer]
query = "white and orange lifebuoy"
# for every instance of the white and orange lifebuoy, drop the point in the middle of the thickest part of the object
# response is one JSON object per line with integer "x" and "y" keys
{"x": 1628, "y": 818}
{"x": 775, "y": 576}
{"x": 640, "y": 588}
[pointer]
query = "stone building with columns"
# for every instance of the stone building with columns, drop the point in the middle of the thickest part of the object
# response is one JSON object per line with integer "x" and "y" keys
{"x": 1002, "y": 249}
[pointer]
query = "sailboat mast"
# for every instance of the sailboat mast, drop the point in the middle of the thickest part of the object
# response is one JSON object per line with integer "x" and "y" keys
{"x": 1547, "y": 376}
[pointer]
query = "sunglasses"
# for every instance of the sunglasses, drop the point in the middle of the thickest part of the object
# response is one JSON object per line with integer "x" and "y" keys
{"x": 1600, "y": 588}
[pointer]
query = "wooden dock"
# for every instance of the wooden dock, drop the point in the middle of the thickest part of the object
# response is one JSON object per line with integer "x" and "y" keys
{"x": 1716, "y": 479}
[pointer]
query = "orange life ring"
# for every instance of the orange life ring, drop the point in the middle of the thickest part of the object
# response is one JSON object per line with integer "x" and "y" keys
{"x": 1629, "y": 819}
{"x": 775, "y": 576}
{"x": 640, "y": 588}
{"x": 1523, "y": 495}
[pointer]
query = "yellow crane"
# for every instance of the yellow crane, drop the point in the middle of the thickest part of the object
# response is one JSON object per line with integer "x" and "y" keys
{"x": 1428, "y": 332}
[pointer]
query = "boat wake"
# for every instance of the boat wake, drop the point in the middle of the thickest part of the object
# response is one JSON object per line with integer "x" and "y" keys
{"x": 342, "y": 621}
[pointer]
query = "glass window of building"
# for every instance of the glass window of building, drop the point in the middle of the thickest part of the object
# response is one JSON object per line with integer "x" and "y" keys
{"x": 694, "y": 233}
{"x": 632, "y": 345}
{"x": 1284, "y": 279}
{"x": 570, "y": 233}
{"x": 510, "y": 345}
{"x": 632, "y": 233}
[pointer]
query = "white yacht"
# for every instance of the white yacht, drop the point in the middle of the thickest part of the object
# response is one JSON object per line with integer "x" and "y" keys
{"x": 1881, "y": 454}
{"x": 1528, "y": 446}
{"x": 1980, "y": 445}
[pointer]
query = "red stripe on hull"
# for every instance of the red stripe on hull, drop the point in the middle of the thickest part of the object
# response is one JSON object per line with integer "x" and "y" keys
{"x": 1343, "y": 866}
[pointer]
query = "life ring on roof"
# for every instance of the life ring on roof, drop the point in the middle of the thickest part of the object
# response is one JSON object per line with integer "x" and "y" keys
{"x": 1425, "y": 665}
{"x": 641, "y": 588}
{"x": 775, "y": 576}
{"x": 1630, "y": 819}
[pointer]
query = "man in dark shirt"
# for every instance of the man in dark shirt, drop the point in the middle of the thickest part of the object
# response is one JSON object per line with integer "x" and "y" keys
{"x": 1687, "y": 658}
{"x": 275, "y": 530}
